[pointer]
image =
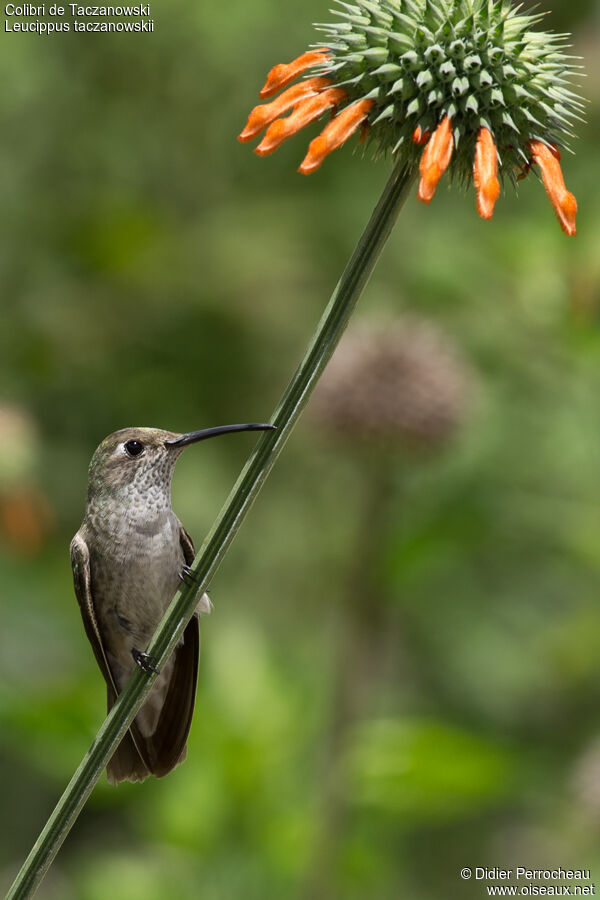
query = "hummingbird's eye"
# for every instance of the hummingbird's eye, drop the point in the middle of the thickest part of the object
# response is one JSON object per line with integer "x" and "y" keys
{"x": 134, "y": 448}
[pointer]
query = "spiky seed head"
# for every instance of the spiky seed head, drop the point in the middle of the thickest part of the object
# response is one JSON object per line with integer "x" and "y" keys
{"x": 478, "y": 62}
{"x": 465, "y": 85}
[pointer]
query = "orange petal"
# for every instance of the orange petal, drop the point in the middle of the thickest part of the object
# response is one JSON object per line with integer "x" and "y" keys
{"x": 335, "y": 134}
{"x": 419, "y": 136}
{"x": 563, "y": 202}
{"x": 526, "y": 167}
{"x": 485, "y": 169}
{"x": 305, "y": 112}
{"x": 554, "y": 151}
{"x": 263, "y": 115}
{"x": 283, "y": 73}
{"x": 435, "y": 160}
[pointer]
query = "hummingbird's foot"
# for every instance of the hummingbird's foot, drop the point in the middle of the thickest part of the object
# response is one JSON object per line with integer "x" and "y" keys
{"x": 186, "y": 573}
{"x": 144, "y": 661}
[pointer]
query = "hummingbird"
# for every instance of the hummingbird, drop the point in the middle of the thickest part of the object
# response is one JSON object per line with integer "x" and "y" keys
{"x": 128, "y": 559}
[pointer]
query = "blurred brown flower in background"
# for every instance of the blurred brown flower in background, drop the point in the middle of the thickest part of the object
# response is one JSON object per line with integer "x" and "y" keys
{"x": 393, "y": 386}
{"x": 399, "y": 382}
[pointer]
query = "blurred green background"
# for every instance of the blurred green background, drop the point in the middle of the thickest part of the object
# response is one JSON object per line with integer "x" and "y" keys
{"x": 389, "y": 689}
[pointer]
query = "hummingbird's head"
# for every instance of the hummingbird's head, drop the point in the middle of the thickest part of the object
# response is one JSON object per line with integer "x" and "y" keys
{"x": 142, "y": 460}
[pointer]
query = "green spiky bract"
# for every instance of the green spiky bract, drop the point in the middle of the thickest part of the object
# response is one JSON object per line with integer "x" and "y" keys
{"x": 477, "y": 61}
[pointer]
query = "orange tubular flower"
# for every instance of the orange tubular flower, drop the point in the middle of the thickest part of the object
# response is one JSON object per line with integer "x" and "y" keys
{"x": 308, "y": 100}
{"x": 335, "y": 134}
{"x": 304, "y": 113}
{"x": 420, "y": 136}
{"x": 435, "y": 160}
{"x": 563, "y": 202}
{"x": 261, "y": 116}
{"x": 284, "y": 73}
{"x": 485, "y": 169}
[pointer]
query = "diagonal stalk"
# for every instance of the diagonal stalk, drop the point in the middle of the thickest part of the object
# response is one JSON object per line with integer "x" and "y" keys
{"x": 324, "y": 341}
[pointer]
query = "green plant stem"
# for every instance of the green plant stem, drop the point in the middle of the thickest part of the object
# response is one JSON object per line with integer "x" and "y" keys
{"x": 323, "y": 343}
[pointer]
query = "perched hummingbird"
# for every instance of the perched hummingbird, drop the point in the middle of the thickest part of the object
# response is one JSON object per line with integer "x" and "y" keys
{"x": 128, "y": 558}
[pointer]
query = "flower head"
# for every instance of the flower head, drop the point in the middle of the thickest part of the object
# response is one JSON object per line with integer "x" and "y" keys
{"x": 398, "y": 382}
{"x": 460, "y": 85}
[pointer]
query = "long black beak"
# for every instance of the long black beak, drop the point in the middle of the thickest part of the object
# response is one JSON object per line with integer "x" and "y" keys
{"x": 193, "y": 436}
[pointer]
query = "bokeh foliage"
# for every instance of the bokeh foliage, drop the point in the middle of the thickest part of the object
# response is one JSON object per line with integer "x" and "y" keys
{"x": 155, "y": 272}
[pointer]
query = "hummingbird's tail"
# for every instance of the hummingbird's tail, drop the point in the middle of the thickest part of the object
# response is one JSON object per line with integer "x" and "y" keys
{"x": 138, "y": 755}
{"x": 126, "y": 764}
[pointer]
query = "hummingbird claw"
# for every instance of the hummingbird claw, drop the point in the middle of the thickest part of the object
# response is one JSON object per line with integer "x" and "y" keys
{"x": 144, "y": 661}
{"x": 186, "y": 573}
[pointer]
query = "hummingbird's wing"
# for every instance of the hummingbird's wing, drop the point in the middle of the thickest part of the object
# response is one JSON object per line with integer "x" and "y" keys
{"x": 187, "y": 545}
{"x": 80, "y": 563}
{"x": 166, "y": 746}
{"x": 127, "y": 761}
